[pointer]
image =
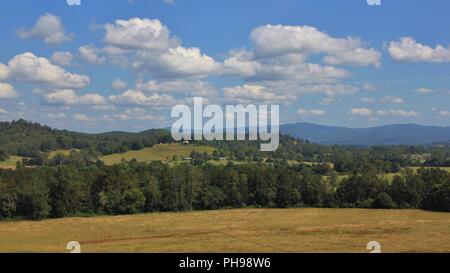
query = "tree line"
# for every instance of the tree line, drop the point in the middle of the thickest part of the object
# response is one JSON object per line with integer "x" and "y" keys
{"x": 34, "y": 141}
{"x": 132, "y": 187}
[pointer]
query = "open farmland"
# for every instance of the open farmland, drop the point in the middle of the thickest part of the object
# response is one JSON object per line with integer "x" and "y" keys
{"x": 162, "y": 152}
{"x": 241, "y": 230}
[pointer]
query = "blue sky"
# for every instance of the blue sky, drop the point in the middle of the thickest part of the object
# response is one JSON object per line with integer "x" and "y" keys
{"x": 122, "y": 65}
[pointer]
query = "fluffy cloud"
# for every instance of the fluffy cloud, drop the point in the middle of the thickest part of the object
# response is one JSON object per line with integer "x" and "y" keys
{"x": 280, "y": 53}
{"x": 7, "y": 91}
{"x": 403, "y": 113}
{"x": 62, "y": 58}
{"x": 423, "y": 91}
{"x": 61, "y": 97}
{"x": 29, "y": 68}
{"x": 191, "y": 87}
{"x": 312, "y": 112}
{"x": 56, "y": 115}
{"x": 286, "y": 68}
{"x": 362, "y": 112}
{"x": 131, "y": 114}
{"x": 137, "y": 97}
{"x": 121, "y": 117}
{"x": 84, "y": 118}
{"x": 392, "y": 100}
{"x": 282, "y": 91}
{"x": 69, "y": 97}
{"x": 92, "y": 99}
{"x": 329, "y": 101}
{"x": 278, "y": 40}
{"x": 367, "y": 100}
{"x": 176, "y": 62}
{"x": 398, "y": 113}
{"x": 250, "y": 93}
{"x": 3, "y": 71}
{"x": 444, "y": 113}
{"x": 408, "y": 50}
{"x": 118, "y": 84}
{"x": 369, "y": 87}
{"x": 154, "y": 51}
{"x": 48, "y": 28}
{"x": 329, "y": 89}
{"x": 139, "y": 33}
{"x": 89, "y": 54}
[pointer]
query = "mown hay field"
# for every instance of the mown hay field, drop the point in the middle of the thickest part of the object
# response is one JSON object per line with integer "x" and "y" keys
{"x": 240, "y": 230}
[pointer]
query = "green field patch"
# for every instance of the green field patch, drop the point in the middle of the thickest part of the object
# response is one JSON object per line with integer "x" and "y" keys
{"x": 390, "y": 176}
{"x": 161, "y": 152}
{"x": 52, "y": 154}
{"x": 11, "y": 162}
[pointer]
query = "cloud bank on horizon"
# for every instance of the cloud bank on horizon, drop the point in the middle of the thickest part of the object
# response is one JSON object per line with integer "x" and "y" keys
{"x": 72, "y": 67}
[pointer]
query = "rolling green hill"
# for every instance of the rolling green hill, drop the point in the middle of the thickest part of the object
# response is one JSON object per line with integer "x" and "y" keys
{"x": 28, "y": 139}
{"x": 160, "y": 152}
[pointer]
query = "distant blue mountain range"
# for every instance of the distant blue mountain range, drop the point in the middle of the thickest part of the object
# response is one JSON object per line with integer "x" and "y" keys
{"x": 397, "y": 134}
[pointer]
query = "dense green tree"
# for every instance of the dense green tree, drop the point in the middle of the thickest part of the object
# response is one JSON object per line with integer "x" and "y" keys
{"x": 383, "y": 201}
{"x": 66, "y": 192}
{"x": 33, "y": 199}
{"x": 7, "y": 205}
{"x": 4, "y": 155}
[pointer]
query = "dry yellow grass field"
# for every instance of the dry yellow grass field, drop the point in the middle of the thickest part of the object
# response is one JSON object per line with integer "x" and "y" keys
{"x": 242, "y": 230}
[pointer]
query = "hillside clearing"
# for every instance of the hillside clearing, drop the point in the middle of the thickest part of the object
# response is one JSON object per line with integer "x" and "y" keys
{"x": 161, "y": 152}
{"x": 11, "y": 162}
{"x": 52, "y": 154}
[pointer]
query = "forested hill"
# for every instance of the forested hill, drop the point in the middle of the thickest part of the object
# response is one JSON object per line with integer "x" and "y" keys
{"x": 28, "y": 139}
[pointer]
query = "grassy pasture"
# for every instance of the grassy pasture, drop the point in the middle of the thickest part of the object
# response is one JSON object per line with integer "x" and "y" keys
{"x": 57, "y": 152}
{"x": 241, "y": 230}
{"x": 390, "y": 176}
{"x": 162, "y": 152}
{"x": 11, "y": 163}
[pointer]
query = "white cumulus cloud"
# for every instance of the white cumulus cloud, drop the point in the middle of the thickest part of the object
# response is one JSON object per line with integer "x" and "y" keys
{"x": 29, "y": 68}
{"x": 424, "y": 91}
{"x": 137, "y": 33}
{"x": 277, "y": 40}
{"x": 138, "y": 98}
{"x": 407, "y": 49}
{"x": 248, "y": 93}
{"x": 398, "y": 113}
{"x": 176, "y": 62}
{"x": 62, "y": 58}
{"x": 49, "y": 28}
{"x": 118, "y": 84}
{"x": 313, "y": 112}
{"x": 84, "y": 118}
{"x": 362, "y": 112}
{"x": 7, "y": 91}
{"x": 90, "y": 54}
{"x": 69, "y": 97}
{"x": 392, "y": 100}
